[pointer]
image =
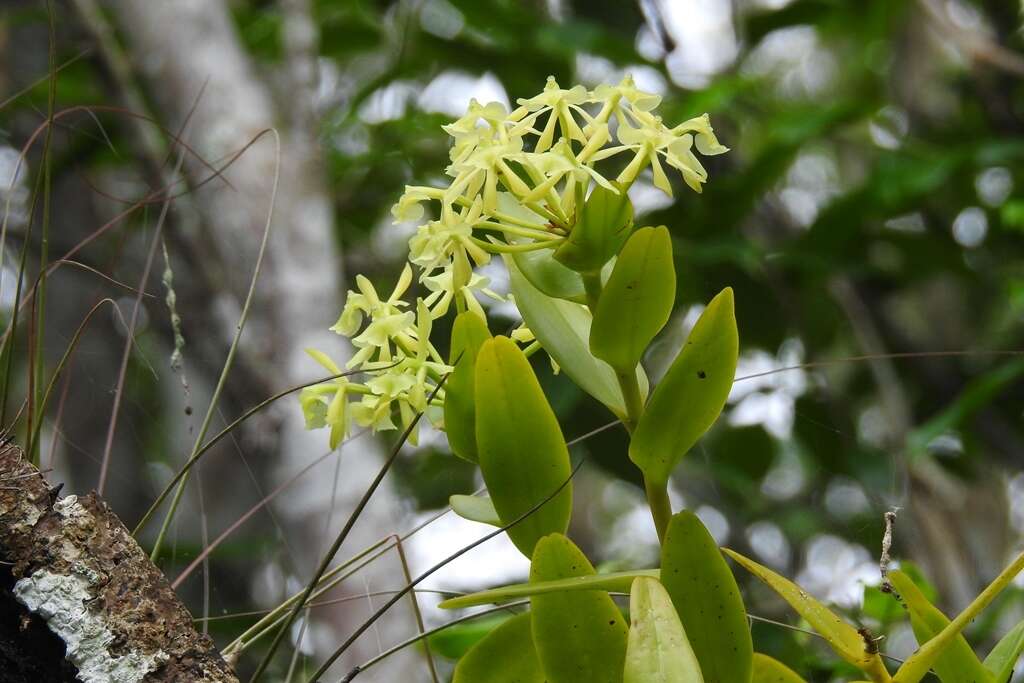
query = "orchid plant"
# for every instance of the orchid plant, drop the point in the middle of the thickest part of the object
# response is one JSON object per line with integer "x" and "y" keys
{"x": 545, "y": 189}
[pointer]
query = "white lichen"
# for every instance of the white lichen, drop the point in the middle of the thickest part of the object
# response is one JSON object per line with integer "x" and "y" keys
{"x": 60, "y": 599}
{"x": 69, "y": 507}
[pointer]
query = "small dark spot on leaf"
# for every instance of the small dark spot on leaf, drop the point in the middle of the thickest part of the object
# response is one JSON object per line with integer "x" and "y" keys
{"x": 702, "y": 374}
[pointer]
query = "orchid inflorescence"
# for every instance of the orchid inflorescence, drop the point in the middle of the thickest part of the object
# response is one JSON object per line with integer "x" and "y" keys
{"x": 518, "y": 180}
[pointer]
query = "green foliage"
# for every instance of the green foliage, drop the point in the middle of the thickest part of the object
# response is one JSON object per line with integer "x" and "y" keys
{"x": 768, "y": 670}
{"x": 690, "y": 397}
{"x": 707, "y": 599}
{"x": 658, "y": 649}
{"x": 456, "y": 640}
{"x": 636, "y": 301}
{"x": 600, "y": 231}
{"x": 918, "y": 664}
{"x": 523, "y": 456}
{"x": 475, "y": 508}
{"x": 614, "y": 582}
{"x": 579, "y": 635}
{"x": 844, "y": 639}
{"x": 505, "y": 655}
{"x": 958, "y": 662}
{"x": 563, "y": 329}
{"x": 1003, "y": 657}
{"x": 468, "y": 334}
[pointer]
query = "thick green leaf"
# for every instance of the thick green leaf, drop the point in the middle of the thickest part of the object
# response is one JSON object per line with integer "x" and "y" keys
{"x": 637, "y": 300}
{"x": 1005, "y": 654}
{"x": 563, "y": 329}
{"x": 475, "y": 508}
{"x": 505, "y": 655}
{"x": 658, "y": 650}
{"x": 580, "y": 635}
{"x": 615, "y": 582}
{"x": 468, "y": 333}
{"x": 843, "y": 638}
{"x": 691, "y": 396}
{"x": 918, "y": 664}
{"x": 455, "y": 641}
{"x": 958, "y": 664}
{"x": 523, "y": 456}
{"x": 552, "y": 278}
{"x": 549, "y": 276}
{"x": 603, "y": 226}
{"x": 707, "y": 600}
{"x": 768, "y": 670}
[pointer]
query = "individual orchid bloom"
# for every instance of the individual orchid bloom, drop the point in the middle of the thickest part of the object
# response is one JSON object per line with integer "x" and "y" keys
{"x": 366, "y": 302}
{"x": 438, "y": 244}
{"x": 562, "y": 104}
{"x": 424, "y": 361}
{"x": 375, "y": 342}
{"x": 443, "y": 292}
{"x": 386, "y": 320}
{"x": 638, "y": 99}
{"x": 374, "y": 410}
{"x": 482, "y": 168}
{"x": 468, "y": 132}
{"x": 493, "y": 114}
{"x": 317, "y": 411}
{"x": 650, "y": 141}
{"x": 557, "y": 165}
{"x": 611, "y": 97}
{"x": 707, "y": 142}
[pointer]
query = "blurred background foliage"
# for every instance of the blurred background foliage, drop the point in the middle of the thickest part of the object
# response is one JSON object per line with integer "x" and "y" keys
{"x": 870, "y": 218}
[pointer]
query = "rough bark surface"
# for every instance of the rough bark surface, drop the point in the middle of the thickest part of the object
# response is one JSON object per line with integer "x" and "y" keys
{"x": 76, "y": 566}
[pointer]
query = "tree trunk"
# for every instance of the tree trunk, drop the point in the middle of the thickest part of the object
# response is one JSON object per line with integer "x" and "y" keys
{"x": 70, "y": 563}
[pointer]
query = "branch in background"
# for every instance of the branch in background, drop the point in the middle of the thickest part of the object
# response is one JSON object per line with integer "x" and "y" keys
{"x": 974, "y": 43}
{"x": 79, "y": 569}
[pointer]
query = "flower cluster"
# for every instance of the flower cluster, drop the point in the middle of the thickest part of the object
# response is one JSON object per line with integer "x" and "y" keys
{"x": 517, "y": 181}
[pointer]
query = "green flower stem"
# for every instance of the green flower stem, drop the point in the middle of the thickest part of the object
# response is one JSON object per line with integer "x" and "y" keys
{"x": 506, "y": 218}
{"x": 555, "y": 202}
{"x": 501, "y": 216}
{"x": 631, "y": 394}
{"x": 533, "y": 348}
{"x": 661, "y": 508}
{"x": 516, "y": 248}
{"x": 542, "y": 210}
{"x": 592, "y": 286}
{"x": 532, "y": 233}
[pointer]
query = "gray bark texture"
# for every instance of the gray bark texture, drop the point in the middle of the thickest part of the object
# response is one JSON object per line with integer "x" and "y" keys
{"x": 191, "y": 63}
{"x": 76, "y": 567}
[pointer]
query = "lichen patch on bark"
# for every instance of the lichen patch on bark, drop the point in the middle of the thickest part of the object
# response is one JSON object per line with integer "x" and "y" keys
{"x": 61, "y": 600}
{"x": 78, "y": 568}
